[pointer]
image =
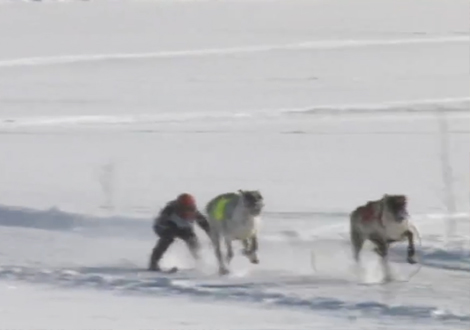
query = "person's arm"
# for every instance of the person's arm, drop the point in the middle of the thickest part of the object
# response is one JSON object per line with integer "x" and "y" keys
{"x": 202, "y": 222}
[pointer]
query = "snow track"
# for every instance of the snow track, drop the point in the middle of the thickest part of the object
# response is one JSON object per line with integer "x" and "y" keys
{"x": 426, "y": 107}
{"x": 268, "y": 284}
{"x": 131, "y": 280}
{"x": 308, "y": 45}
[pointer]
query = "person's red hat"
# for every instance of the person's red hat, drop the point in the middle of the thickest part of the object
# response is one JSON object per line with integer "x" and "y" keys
{"x": 186, "y": 200}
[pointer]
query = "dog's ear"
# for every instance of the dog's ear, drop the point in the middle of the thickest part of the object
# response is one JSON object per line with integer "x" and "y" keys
{"x": 401, "y": 198}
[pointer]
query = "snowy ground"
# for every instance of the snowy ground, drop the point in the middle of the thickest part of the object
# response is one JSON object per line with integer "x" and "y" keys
{"x": 108, "y": 109}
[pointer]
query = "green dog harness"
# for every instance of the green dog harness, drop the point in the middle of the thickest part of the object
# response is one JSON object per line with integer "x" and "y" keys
{"x": 222, "y": 206}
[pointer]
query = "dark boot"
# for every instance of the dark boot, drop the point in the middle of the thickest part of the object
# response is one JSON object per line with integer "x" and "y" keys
{"x": 157, "y": 253}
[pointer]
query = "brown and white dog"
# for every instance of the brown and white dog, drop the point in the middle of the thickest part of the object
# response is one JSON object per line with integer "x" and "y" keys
{"x": 382, "y": 222}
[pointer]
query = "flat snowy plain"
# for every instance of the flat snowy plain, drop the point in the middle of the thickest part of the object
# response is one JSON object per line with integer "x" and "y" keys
{"x": 108, "y": 109}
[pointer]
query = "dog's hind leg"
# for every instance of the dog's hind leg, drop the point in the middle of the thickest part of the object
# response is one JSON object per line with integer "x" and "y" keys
{"x": 357, "y": 241}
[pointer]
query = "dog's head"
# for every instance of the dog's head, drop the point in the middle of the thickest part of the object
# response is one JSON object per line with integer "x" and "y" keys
{"x": 253, "y": 201}
{"x": 397, "y": 206}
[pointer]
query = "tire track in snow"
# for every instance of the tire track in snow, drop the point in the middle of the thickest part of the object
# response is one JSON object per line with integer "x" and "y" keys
{"x": 309, "y": 45}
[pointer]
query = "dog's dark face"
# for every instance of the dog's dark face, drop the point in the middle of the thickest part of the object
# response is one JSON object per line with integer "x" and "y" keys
{"x": 397, "y": 206}
{"x": 253, "y": 200}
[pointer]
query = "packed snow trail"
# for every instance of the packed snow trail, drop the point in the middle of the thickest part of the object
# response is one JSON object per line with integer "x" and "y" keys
{"x": 79, "y": 251}
{"x": 315, "y": 45}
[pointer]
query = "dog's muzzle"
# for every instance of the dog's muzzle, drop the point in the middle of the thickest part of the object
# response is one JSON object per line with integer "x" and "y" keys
{"x": 256, "y": 208}
{"x": 401, "y": 216}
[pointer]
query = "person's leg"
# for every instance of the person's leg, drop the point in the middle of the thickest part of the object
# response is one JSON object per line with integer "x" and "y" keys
{"x": 166, "y": 238}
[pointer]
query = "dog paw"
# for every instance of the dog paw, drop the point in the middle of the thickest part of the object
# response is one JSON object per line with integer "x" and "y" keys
{"x": 223, "y": 271}
{"x": 255, "y": 261}
{"x": 411, "y": 260}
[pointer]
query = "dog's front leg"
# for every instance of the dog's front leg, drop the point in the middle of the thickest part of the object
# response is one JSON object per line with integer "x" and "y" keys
{"x": 228, "y": 245}
{"x": 382, "y": 250}
{"x": 254, "y": 249}
{"x": 411, "y": 247}
{"x": 215, "y": 237}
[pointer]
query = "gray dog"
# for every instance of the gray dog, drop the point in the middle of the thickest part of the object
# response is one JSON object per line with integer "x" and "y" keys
{"x": 382, "y": 222}
{"x": 235, "y": 216}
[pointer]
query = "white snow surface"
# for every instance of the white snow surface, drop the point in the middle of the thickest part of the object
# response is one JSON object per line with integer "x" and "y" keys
{"x": 109, "y": 109}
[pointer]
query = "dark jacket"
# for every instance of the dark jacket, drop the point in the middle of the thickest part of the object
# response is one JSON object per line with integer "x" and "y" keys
{"x": 169, "y": 218}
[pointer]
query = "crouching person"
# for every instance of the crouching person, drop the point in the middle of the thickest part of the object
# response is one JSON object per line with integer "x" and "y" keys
{"x": 176, "y": 220}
